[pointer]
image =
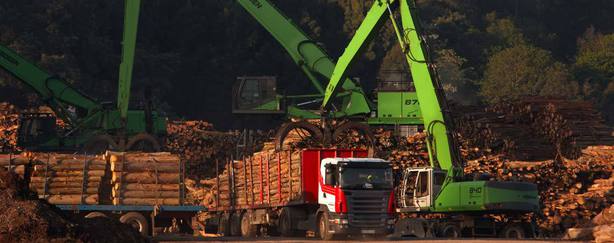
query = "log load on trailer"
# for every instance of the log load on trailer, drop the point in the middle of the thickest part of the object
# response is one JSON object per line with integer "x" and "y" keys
{"x": 145, "y": 190}
{"x": 333, "y": 192}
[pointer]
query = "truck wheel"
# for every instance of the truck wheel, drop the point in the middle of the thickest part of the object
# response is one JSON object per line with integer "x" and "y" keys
{"x": 143, "y": 142}
{"x": 512, "y": 231}
{"x": 99, "y": 144}
{"x": 95, "y": 215}
{"x": 450, "y": 231}
{"x": 235, "y": 224}
{"x": 323, "y": 227}
{"x": 137, "y": 221}
{"x": 248, "y": 230}
{"x": 223, "y": 226}
{"x": 285, "y": 223}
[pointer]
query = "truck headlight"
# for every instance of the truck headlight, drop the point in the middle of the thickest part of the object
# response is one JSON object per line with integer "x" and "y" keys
{"x": 341, "y": 221}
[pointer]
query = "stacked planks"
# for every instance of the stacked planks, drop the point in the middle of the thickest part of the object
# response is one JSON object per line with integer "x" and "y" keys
{"x": 267, "y": 177}
{"x": 199, "y": 145}
{"x": 68, "y": 179}
{"x": 145, "y": 178}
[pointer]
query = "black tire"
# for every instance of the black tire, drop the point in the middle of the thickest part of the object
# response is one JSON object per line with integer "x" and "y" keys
{"x": 143, "y": 142}
{"x": 95, "y": 215}
{"x": 99, "y": 144}
{"x": 235, "y": 224}
{"x": 450, "y": 231}
{"x": 513, "y": 231}
{"x": 137, "y": 221}
{"x": 285, "y": 223}
{"x": 223, "y": 226}
{"x": 248, "y": 230}
{"x": 323, "y": 228}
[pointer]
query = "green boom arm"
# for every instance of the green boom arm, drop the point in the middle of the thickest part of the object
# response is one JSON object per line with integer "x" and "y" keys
{"x": 442, "y": 151}
{"x": 131, "y": 21}
{"x": 307, "y": 54}
{"x": 56, "y": 92}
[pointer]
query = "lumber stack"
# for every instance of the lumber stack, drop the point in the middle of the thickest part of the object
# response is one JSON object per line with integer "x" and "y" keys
{"x": 571, "y": 191}
{"x": 503, "y": 133}
{"x": 267, "y": 177}
{"x": 68, "y": 179}
{"x": 145, "y": 178}
{"x": 9, "y": 122}
{"x": 569, "y": 125}
{"x": 199, "y": 146}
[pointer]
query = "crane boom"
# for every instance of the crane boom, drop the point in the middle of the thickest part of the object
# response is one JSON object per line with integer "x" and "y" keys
{"x": 307, "y": 54}
{"x": 54, "y": 91}
{"x": 131, "y": 21}
{"x": 429, "y": 94}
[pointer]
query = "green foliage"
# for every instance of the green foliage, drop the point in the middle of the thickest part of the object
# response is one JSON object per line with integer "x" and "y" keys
{"x": 594, "y": 68}
{"x": 525, "y": 70}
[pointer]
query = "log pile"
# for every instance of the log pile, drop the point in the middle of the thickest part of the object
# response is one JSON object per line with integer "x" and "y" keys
{"x": 145, "y": 178}
{"x": 569, "y": 125}
{"x": 571, "y": 191}
{"x": 502, "y": 133}
{"x": 9, "y": 122}
{"x": 68, "y": 179}
{"x": 252, "y": 184}
{"x": 199, "y": 146}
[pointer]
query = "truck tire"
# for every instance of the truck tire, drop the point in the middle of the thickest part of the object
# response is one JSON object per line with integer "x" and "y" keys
{"x": 285, "y": 223}
{"x": 143, "y": 142}
{"x": 235, "y": 224}
{"x": 323, "y": 227}
{"x": 450, "y": 230}
{"x": 248, "y": 230}
{"x": 512, "y": 231}
{"x": 223, "y": 226}
{"x": 137, "y": 221}
{"x": 95, "y": 215}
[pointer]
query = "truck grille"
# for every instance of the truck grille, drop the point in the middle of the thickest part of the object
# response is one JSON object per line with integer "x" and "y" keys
{"x": 367, "y": 209}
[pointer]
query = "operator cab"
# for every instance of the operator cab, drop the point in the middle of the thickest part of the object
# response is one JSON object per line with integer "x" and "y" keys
{"x": 256, "y": 94}
{"x": 420, "y": 187}
{"x": 36, "y": 129}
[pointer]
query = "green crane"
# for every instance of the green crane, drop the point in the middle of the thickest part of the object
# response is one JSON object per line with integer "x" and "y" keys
{"x": 440, "y": 187}
{"x": 92, "y": 126}
{"x": 257, "y": 95}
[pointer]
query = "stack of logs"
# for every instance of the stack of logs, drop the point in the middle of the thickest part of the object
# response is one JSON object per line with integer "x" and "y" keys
{"x": 571, "y": 191}
{"x": 145, "y": 178}
{"x": 569, "y": 125}
{"x": 9, "y": 122}
{"x": 68, "y": 179}
{"x": 199, "y": 146}
{"x": 252, "y": 183}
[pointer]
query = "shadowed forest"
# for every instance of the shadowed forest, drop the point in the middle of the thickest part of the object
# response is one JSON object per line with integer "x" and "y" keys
{"x": 190, "y": 52}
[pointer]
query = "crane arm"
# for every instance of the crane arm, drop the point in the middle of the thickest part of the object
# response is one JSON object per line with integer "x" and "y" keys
{"x": 440, "y": 143}
{"x": 54, "y": 91}
{"x": 131, "y": 21}
{"x": 317, "y": 65}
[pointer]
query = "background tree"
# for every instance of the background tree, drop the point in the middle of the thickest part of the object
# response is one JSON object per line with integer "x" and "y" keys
{"x": 525, "y": 70}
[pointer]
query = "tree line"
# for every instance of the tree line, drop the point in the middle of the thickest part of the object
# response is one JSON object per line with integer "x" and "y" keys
{"x": 190, "y": 52}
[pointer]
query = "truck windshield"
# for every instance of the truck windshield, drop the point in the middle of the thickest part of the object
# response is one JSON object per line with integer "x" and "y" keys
{"x": 366, "y": 178}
